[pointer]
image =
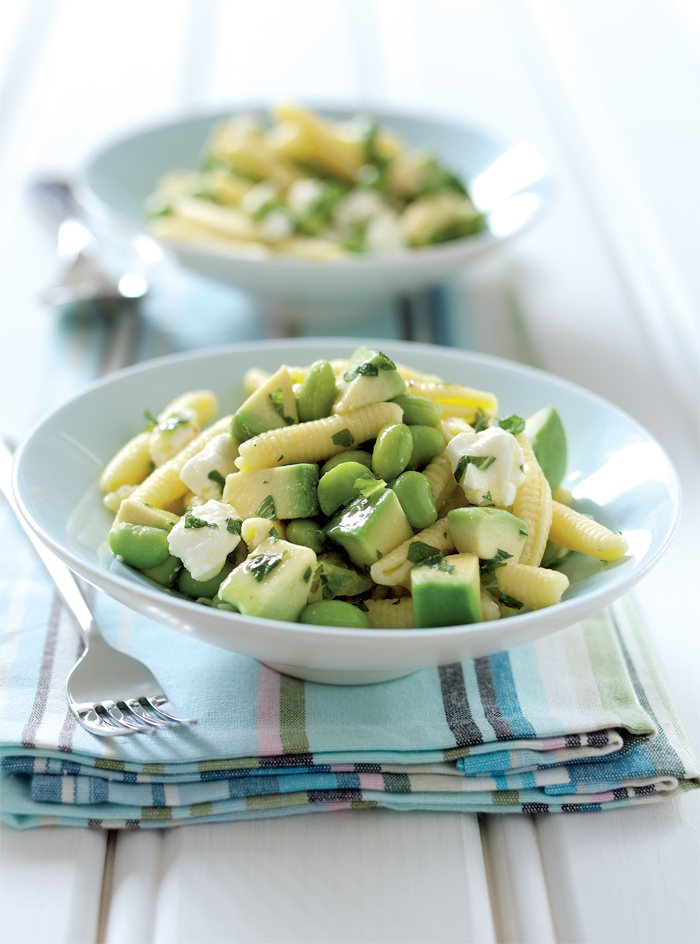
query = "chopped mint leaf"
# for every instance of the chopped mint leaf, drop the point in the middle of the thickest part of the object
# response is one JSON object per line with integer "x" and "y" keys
{"x": 425, "y": 554}
{"x": 493, "y": 563}
{"x": 261, "y": 565}
{"x": 266, "y": 509}
{"x": 505, "y": 599}
{"x": 327, "y": 590}
{"x": 512, "y": 424}
{"x": 379, "y": 554}
{"x": 172, "y": 422}
{"x": 367, "y": 485}
{"x": 307, "y": 575}
{"x": 461, "y": 468}
{"x": 479, "y": 462}
{"x": 481, "y": 422}
{"x": 217, "y": 477}
{"x": 371, "y": 367}
{"x": 152, "y": 420}
{"x": 277, "y": 401}
{"x": 343, "y": 438}
{"x": 396, "y": 602}
{"x": 233, "y": 525}
{"x": 486, "y": 497}
{"x": 274, "y": 534}
{"x": 191, "y": 521}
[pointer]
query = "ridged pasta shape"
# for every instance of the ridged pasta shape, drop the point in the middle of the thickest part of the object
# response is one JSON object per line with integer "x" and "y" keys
{"x": 533, "y": 503}
{"x": 579, "y": 533}
{"x": 456, "y": 400}
{"x": 254, "y": 378}
{"x": 394, "y": 569}
{"x": 113, "y": 500}
{"x": 534, "y": 587}
{"x": 313, "y": 441}
{"x": 164, "y": 486}
{"x": 132, "y": 463}
{"x": 452, "y": 426}
{"x": 390, "y": 614}
{"x": 442, "y": 481}
{"x": 409, "y": 374}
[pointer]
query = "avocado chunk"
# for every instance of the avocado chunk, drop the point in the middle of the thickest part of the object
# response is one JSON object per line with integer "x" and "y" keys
{"x": 271, "y": 406}
{"x": 447, "y": 594}
{"x": 337, "y": 578}
{"x": 289, "y": 491}
{"x": 273, "y": 582}
{"x": 344, "y": 482}
{"x": 487, "y": 532}
{"x": 370, "y": 527}
{"x": 370, "y": 377}
{"x": 547, "y": 436}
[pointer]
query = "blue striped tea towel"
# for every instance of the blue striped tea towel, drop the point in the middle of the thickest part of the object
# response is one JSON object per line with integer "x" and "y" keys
{"x": 574, "y": 722}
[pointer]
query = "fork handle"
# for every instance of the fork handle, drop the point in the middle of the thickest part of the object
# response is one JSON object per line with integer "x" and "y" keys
{"x": 66, "y": 584}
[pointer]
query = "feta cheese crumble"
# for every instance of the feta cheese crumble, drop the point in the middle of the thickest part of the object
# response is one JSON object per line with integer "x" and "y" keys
{"x": 205, "y": 473}
{"x": 487, "y": 465}
{"x": 203, "y": 538}
{"x": 171, "y": 435}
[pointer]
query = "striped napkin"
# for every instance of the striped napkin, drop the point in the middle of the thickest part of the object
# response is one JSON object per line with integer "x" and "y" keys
{"x": 575, "y": 722}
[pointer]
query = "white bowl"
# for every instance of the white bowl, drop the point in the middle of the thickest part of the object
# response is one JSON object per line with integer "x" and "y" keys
{"x": 507, "y": 181}
{"x": 617, "y": 471}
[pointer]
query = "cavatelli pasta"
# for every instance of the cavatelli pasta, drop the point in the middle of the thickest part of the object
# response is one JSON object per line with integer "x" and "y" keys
{"x": 318, "y": 439}
{"x": 164, "y": 485}
{"x": 534, "y": 587}
{"x": 455, "y": 400}
{"x": 390, "y": 613}
{"x": 576, "y": 532}
{"x": 442, "y": 481}
{"x": 394, "y": 569}
{"x": 533, "y": 503}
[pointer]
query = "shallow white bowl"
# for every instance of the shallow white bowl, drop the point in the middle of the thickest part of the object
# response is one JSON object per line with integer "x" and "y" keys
{"x": 617, "y": 471}
{"x": 507, "y": 181}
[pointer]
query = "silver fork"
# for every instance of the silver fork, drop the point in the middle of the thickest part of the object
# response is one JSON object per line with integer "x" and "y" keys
{"x": 109, "y": 692}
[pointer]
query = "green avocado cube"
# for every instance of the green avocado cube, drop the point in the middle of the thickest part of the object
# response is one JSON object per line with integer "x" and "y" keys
{"x": 272, "y": 582}
{"x": 272, "y": 406}
{"x": 487, "y": 532}
{"x": 370, "y": 527}
{"x": 370, "y": 377}
{"x": 337, "y": 578}
{"x": 447, "y": 594}
{"x": 289, "y": 491}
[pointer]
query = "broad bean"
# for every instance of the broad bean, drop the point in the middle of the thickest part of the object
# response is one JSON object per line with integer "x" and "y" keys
{"x": 352, "y": 455}
{"x": 306, "y": 531}
{"x": 418, "y": 411}
{"x": 202, "y": 588}
{"x": 139, "y": 545}
{"x": 334, "y": 613}
{"x": 337, "y": 487}
{"x": 392, "y": 450}
{"x": 427, "y": 443}
{"x": 317, "y": 393}
{"x": 416, "y": 497}
{"x": 166, "y": 573}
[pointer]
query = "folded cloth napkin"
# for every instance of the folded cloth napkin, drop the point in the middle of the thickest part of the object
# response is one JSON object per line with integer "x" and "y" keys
{"x": 575, "y": 722}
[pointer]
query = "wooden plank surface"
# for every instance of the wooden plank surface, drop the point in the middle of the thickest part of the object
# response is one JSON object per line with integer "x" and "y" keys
{"x": 604, "y": 292}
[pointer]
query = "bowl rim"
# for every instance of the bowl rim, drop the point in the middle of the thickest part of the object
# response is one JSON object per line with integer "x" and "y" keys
{"x": 467, "y": 245}
{"x": 549, "y": 619}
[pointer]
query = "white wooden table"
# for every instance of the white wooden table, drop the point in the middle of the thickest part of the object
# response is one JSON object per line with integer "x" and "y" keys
{"x": 607, "y": 289}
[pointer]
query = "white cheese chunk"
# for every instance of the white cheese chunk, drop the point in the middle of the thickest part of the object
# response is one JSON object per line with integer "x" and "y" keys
{"x": 202, "y": 540}
{"x": 218, "y": 456}
{"x": 258, "y": 196}
{"x": 172, "y": 434}
{"x": 358, "y": 208}
{"x": 491, "y": 466}
{"x": 276, "y": 226}
{"x": 384, "y": 232}
{"x": 303, "y": 195}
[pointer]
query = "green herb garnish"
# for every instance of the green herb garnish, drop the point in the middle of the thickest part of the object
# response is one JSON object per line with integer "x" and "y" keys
{"x": 367, "y": 485}
{"x": 481, "y": 422}
{"x": 266, "y": 509}
{"x": 233, "y": 525}
{"x": 260, "y": 566}
{"x": 371, "y": 367}
{"x": 307, "y": 575}
{"x": 152, "y": 419}
{"x": 512, "y": 424}
{"x": 479, "y": 462}
{"x": 492, "y": 564}
{"x": 192, "y": 521}
{"x": 172, "y": 422}
{"x": 217, "y": 477}
{"x": 424, "y": 554}
{"x": 343, "y": 438}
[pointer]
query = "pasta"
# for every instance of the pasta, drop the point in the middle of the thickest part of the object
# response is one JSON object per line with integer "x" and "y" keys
{"x": 305, "y": 186}
{"x": 284, "y": 525}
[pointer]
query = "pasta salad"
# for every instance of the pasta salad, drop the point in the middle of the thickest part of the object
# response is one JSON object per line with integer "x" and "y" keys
{"x": 356, "y": 492}
{"x": 309, "y": 187}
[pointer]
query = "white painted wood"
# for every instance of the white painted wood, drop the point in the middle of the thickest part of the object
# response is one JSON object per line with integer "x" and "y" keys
{"x": 50, "y": 884}
{"x": 355, "y": 877}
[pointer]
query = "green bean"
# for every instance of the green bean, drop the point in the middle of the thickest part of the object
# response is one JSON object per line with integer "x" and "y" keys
{"x": 352, "y": 455}
{"x": 416, "y": 497}
{"x": 306, "y": 531}
{"x": 418, "y": 411}
{"x": 139, "y": 545}
{"x": 334, "y": 613}
{"x": 392, "y": 450}
{"x": 337, "y": 487}
{"x": 317, "y": 393}
{"x": 202, "y": 588}
{"x": 427, "y": 443}
{"x": 165, "y": 573}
